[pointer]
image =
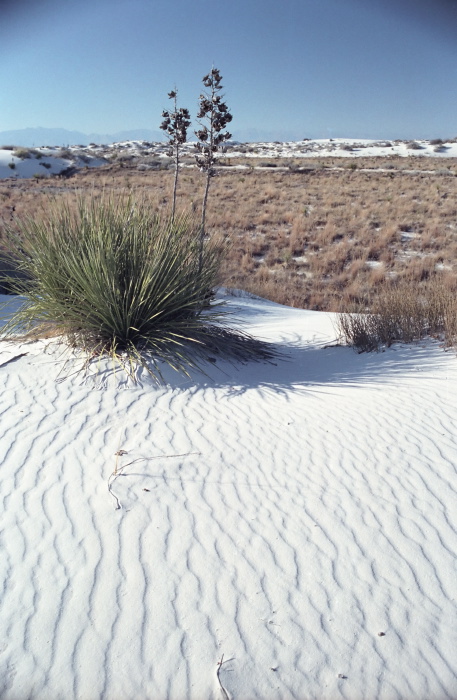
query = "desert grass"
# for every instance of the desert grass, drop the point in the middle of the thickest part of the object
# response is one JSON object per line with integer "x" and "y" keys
{"x": 325, "y": 236}
{"x": 400, "y": 313}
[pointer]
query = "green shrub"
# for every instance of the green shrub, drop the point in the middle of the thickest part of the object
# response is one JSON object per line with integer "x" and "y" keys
{"x": 114, "y": 278}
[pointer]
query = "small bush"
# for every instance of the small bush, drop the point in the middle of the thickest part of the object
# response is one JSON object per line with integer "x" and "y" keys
{"x": 359, "y": 330}
{"x": 22, "y": 153}
{"x": 65, "y": 153}
{"x": 116, "y": 279}
{"x": 401, "y": 314}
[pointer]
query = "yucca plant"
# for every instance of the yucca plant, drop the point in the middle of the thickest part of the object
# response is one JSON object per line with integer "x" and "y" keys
{"x": 213, "y": 116}
{"x": 175, "y": 124}
{"x": 114, "y": 278}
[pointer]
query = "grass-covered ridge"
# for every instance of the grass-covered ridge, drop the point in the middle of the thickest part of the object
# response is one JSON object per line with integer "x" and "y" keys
{"x": 115, "y": 278}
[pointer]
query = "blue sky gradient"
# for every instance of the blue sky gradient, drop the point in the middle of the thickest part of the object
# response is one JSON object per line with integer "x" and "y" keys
{"x": 295, "y": 69}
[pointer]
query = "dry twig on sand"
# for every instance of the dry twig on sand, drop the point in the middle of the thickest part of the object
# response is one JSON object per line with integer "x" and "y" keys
{"x": 118, "y": 471}
{"x": 225, "y": 694}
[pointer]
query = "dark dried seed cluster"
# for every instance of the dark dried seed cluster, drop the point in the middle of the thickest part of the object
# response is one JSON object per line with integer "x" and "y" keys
{"x": 175, "y": 123}
{"x": 216, "y": 116}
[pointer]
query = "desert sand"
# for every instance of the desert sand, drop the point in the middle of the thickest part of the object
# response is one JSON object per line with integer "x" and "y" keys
{"x": 275, "y": 530}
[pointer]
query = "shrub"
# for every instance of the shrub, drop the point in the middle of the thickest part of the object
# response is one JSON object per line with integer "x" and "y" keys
{"x": 125, "y": 157}
{"x": 114, "y": 278}
{"x": 400, "y": 314}
{"x": 359, "y": 330}
{"x": 414, "y": 146}
{"x": 64, "y": 153}
{"x": 22, "y": 153}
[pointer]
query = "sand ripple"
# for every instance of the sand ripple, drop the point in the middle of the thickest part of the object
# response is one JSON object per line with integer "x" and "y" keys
{"x": 308, "y": 535}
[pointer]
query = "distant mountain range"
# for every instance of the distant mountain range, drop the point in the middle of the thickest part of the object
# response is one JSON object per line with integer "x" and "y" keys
{"x": 63, "y": 137}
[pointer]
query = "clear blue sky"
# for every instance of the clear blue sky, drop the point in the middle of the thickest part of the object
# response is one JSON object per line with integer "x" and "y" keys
{"x": 293, "y": 68}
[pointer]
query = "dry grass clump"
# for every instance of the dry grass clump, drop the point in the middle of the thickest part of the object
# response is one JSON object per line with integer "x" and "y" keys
{"x": 400, "y": 314}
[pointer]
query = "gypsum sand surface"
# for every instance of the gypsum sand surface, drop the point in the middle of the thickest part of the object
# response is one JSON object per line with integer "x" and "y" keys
{"x": 295, "y": 521}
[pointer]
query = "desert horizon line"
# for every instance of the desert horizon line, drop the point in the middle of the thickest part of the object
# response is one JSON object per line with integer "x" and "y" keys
{"x": 31, "y": 136}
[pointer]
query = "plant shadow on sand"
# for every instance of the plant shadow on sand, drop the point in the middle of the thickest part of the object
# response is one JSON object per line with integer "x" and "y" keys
{"x": 299, "y": 364}
{"x": 296, "y": 368}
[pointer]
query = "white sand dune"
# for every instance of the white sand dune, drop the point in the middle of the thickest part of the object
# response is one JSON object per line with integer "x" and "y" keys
{"x": 46, "y": 161}
{"x": 43, "y": 162}
{"x": 297, "y": 519}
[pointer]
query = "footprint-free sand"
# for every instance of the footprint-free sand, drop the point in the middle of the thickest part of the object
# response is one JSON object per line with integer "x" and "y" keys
{"x": 293, "y": 520}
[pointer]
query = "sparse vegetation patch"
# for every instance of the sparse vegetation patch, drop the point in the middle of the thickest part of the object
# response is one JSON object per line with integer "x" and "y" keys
{"x": 316, "y": 238}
